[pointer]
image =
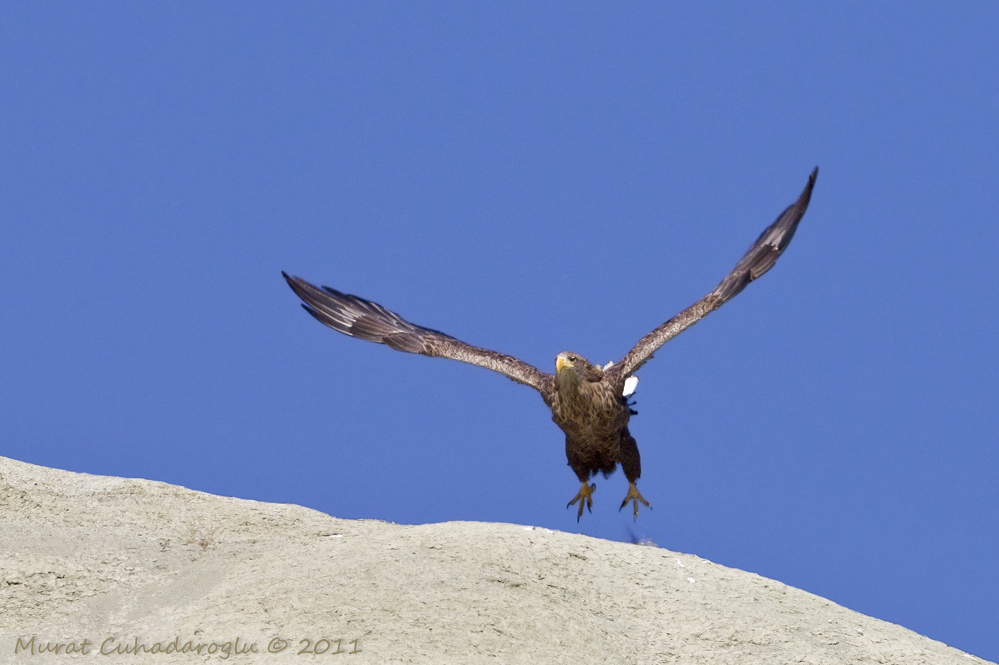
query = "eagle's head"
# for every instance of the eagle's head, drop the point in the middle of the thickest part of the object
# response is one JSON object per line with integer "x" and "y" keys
{"x": 568, "y": 361}
{"x": 572, "y": 368}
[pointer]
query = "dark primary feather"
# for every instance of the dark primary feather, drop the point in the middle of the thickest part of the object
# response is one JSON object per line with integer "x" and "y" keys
{"x": 760, "y": 257}
{"x": 364, "y": 319}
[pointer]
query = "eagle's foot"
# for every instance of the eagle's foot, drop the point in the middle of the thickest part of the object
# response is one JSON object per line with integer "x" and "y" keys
{"x": 585, "y": 498}
{"x": 634, "y": 496}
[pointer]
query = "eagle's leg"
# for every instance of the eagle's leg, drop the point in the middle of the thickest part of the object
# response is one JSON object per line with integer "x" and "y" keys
{"x": 631, "y": 463}
{"x": 585, "y": 498}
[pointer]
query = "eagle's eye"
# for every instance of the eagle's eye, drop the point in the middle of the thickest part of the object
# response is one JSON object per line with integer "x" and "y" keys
{"x": 573, "y": 358}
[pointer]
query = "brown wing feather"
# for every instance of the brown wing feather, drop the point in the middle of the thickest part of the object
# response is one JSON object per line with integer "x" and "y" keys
{"x": 760, "y": 258}
{"x": 364, "y": 319}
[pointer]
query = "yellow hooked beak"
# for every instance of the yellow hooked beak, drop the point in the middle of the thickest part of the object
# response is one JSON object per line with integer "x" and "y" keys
{"x": 561, "y": 362}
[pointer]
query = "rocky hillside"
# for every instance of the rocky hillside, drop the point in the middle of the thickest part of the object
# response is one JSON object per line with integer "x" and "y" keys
{"x": 90, "y": 563}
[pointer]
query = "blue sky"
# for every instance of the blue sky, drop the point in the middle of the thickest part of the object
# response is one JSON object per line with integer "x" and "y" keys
{"x": 531, "y": 179}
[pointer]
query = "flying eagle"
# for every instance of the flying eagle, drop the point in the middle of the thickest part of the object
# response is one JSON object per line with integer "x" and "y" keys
{"x": 589, "y": 403}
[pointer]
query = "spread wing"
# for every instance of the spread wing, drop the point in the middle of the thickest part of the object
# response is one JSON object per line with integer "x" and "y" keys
{"x": 760, "y": 258}
{"x": 367, "y": 320}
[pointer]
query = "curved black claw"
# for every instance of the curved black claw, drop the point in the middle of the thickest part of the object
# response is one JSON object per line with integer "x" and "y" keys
{"x": 585, "y": 498}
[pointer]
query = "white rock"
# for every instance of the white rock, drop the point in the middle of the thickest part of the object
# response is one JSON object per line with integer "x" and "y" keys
{"x": 92, "y": 557}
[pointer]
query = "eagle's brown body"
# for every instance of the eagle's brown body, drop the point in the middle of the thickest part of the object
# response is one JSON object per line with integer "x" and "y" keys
{"x": 588, "y": 402}
{"x": 590, "y": 407}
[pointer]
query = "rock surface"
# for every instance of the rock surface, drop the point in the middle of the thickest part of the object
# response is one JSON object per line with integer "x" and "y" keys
{"x": 91, "y": 562}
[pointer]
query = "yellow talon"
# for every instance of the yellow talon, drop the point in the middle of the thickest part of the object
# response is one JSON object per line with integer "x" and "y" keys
{"x": 585, "y": 498}
{"x": 632, "y": 495}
